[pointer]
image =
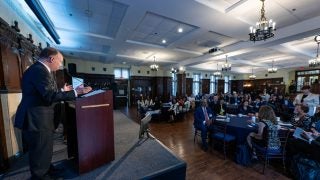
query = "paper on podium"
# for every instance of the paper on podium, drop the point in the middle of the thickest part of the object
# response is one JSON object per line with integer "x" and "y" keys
{"x": 94, "y": 93}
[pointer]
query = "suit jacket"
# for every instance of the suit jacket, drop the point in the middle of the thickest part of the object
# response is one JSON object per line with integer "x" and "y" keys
{"x": 39, "y": 93}
{"x": 199, "y": 116}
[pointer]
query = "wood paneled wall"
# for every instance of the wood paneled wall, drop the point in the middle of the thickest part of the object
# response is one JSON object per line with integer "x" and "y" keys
{"x": 205, "y": 86}
{"x": 181, "y": 87}
{"x": 189, "y": 86}
{"x": 258, "y": 85}
{"x": 16, "y": 55}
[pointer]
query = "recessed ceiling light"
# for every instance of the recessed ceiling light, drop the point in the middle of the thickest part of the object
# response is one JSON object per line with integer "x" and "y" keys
{"x": 124, "y": 62}
{"x": 180, "y": 30}
{"x": 164, "y": 41}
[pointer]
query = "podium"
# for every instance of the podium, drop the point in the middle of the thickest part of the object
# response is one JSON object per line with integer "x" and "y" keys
{"x": 90, "y": 133}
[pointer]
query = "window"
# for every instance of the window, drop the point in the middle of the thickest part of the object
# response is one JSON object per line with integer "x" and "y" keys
{"x": 307, "y": 77}
{"x": 213, "y": 84}
{"x": 196, "y": 84}
{"x": 174, "y": 84}
{"x": 227, "y": 84}
{"x": 121, "y": 73}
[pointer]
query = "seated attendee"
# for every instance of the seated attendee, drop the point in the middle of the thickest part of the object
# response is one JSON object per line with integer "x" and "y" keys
{"x": 157, "y": 103}
{"x": 309, "y": 148}
{"x": 268, "y": 129}
{"x": 215, "y": 104}
{"x": 256, "y": 105}
{"x": 301, "y": 118}
{"x": 235, "y": 99}
{"x": 245, "y": 109}
{"x": 173, "y": 111}
{"x": 315, "y": 125}
{"x": 202, "y": 121}
{"x": 222, "y": 108}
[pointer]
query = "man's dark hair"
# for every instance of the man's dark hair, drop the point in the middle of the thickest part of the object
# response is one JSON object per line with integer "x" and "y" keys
{"x": 47, "y": 52}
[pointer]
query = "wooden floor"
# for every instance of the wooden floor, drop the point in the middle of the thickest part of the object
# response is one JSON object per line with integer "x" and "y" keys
{"x": 178, "y": 136}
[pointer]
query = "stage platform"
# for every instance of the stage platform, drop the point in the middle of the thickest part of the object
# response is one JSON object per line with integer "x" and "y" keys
{"x": 135, "y": 159}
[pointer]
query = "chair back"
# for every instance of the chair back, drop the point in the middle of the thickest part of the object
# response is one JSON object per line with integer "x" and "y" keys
{"x": 220, "y": 127}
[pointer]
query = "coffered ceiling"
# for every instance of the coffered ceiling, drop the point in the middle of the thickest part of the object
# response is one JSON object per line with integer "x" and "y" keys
{"x": 181, "y": 32}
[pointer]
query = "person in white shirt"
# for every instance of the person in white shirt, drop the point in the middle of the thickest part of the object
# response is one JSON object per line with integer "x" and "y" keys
{"x": 307, "y": 99}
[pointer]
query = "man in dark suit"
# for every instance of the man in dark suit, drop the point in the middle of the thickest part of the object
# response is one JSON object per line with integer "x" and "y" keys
{"x": 202, "y": 121}
{"x": 35, "y": 114}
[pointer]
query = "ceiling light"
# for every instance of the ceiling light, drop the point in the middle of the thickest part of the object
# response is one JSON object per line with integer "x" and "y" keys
{"x": 272, "y": 69}
{"x": 180, "y": 30}
{"x": 174, "y": 70}
{"x": 316, "y": 61}
{"x": 164, "y": 41}
{"x": 154, "y": 66}
{"x": 217, "y": 73}
{"x": 252, "y": 76}
{"x": 226, "y": 66}
{"x": 264, "y": 29}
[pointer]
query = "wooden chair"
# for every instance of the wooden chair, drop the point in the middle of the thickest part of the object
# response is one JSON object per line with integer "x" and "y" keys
{"x": 220, "y": 136}
{"x": 197, "y": 132}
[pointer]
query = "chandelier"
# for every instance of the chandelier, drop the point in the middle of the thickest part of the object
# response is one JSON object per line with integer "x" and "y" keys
{"x": 226, "y": 66}
{"x": 264, "y": 29}
{"x": 252, "y": 76}
{"x": 272, "y": 69}
{"x": 174, "y": 70}
{"x": 154, "y": 66}
{"x": 217, "y": 73}
{"x": 316, "y": 61}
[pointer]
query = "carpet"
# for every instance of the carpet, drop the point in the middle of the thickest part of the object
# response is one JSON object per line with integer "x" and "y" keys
{"x": 134, "y": 158}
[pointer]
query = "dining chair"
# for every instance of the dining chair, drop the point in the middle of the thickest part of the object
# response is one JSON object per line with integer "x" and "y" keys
{"x": 220, "y": 136}
{"x": 265, "y": 153}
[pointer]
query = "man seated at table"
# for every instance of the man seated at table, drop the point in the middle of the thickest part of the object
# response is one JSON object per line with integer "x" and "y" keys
{"x": 202, "y": 121}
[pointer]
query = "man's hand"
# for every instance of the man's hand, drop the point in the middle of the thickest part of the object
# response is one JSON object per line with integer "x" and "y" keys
{"x": 67, "y": 87}
{"x": 83, "y": 90}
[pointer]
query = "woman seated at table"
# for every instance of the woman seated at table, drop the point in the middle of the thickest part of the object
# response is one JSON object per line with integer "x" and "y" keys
{"x": 301, "y": 118}
{"x": 268, "y": 129}
{"x": 245, "y": 109}
{"x": 298, "y": 146}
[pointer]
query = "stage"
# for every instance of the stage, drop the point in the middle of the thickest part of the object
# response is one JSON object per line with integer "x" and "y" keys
{"x": 134, "y": 158}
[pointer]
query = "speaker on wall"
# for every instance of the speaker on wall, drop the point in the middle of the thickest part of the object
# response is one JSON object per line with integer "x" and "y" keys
{"x": 72, "y": 68}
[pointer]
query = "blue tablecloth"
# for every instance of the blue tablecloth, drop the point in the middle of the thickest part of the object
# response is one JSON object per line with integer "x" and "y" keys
{"x": 238, "y": 127}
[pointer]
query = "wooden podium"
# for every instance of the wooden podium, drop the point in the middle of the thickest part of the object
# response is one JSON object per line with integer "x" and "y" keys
{"x": 90, "y": 131}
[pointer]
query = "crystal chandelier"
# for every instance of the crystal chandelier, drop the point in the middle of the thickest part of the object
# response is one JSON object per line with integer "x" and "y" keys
{"x": 272, "y": 69}
{"x": 264, "y": 29}
{"x": 226, "y": 66}
{"x": 217, "y": 73}
{"x": 154, "y": 66}
{"x": 252, "y": 76}
{"x": 316, "y": 61}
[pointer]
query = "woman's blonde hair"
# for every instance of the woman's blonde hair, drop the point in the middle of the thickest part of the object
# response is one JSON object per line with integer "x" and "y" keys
{"x": 267, "y": 113}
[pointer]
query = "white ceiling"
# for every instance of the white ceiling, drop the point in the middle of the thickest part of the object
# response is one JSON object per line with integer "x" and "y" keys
{"x": 132, "y": 31}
